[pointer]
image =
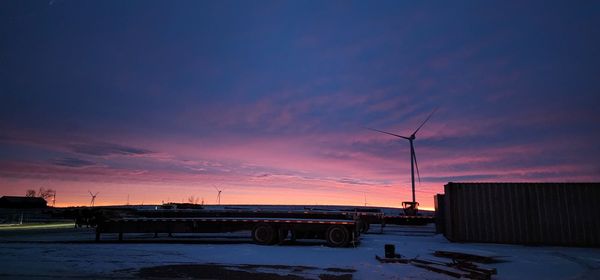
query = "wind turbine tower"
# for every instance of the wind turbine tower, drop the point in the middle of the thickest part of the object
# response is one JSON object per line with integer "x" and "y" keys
{"x": 412, "y": 206}
{"x": 218, "y": 195}
{"x": 93, "y": 197}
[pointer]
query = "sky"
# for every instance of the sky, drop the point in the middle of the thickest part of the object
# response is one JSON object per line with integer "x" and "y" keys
{"x": 155, "y": 101}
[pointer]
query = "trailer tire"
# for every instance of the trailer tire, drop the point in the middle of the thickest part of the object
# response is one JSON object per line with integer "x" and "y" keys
{"x": 337, "y": 236}
{"x": 264, "y": 234}
{"x": 282, "y": 234}
{"x": 364, "y": 227}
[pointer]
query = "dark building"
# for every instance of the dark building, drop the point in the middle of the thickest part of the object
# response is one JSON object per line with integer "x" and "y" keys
{"x": 22, "y": 202}
{"x": 520, "y": 213}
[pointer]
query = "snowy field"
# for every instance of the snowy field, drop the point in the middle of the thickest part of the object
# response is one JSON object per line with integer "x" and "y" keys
{"x": 72, "y": 254}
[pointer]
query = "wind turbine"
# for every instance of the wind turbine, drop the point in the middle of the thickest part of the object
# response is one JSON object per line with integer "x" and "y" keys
{"x": 93, "y": 197}
{"x": 413, "y": 159}
{"x": 218, "y": 195}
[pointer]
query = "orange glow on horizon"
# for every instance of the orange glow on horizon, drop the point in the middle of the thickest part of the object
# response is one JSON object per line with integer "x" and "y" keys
{"x": 76, "y": 194}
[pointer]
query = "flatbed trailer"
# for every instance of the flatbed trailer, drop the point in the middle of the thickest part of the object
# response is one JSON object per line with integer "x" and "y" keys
{"x": 267, "y": 228}
{"x": 408, "y": 220}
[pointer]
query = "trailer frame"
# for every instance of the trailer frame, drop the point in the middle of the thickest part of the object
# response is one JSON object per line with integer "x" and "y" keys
{"x": 265, "y": 231}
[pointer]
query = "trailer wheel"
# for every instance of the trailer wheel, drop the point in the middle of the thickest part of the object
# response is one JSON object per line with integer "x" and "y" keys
{"x": 365, "y": 227}
{"x": 264, "y": 234}
{"x": 282, "y": 234}
{"x": 337, "y": 236}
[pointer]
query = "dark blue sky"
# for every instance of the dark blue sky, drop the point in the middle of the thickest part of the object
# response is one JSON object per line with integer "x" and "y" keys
{"x": 177, "y": 96}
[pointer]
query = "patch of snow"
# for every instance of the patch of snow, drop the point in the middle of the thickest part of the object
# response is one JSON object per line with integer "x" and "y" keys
{"x": 71, "y": 253}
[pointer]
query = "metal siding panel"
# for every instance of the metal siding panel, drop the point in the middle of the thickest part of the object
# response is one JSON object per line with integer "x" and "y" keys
{"x": 462, "y": 226}
{"x": 592, "y": 224}
{"x": 485, "y": 214}
{"x": 447, "y": 215}
{"x": 520, "y": 214}
{"x": 490, "y": 215}
{"x": 564, "y": 215}
{"x": 563, "y": 218}
{"x": 516, "y": 213}
{"x": 580, "y": 230}
{"x": 526, "y": 206}
{"x": 594, "y": 214}
{"x": 470, "y": 226}
{"x": 532, "y": 230}
{"x": 478, "y": 212}
{"x": 558, "y": 217}
{"x": 481, "y": 221}
{"x": 547, "y": 218}
{"x": 473, "y": 208}
{"x": 585, "y": 208}
{"x": 501, "y": 217}
{"x": 529, "y": 213}
{"x": 585, "y": 217}
{"x": 544, "y": 226}
{"x": 567, "y": 192}
{"x": 512, "y": 229}
{"x": 450, "y": 212}
{"x": 498, "y": 219}
{"x": 467, "y": 214}
{"x": 537, "y": 213}
{"x": 501, "y": 214}
{"x": 457, "y": 213}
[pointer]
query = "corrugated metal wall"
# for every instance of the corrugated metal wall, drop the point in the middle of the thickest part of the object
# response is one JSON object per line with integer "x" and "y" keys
{"x": 522, "y": 213}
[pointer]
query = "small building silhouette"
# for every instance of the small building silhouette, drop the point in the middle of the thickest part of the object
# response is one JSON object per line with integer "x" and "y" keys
{"x": 22, "y": 202}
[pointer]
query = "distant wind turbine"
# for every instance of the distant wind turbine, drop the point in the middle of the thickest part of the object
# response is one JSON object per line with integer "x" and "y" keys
{"x": 413, "y": 156}
{"x": 218, "y": 195}
{"x": 93, "y": 197}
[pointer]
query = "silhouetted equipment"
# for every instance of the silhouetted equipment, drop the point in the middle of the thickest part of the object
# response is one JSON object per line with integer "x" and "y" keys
{"x": 173, "y": 205}
{"x": 411, "y": 207}
{"x": 390, "y": 250}
{"x": 462, "y": 265}
{"x": 520, "y": 213}
{"x": 22, "y": 202}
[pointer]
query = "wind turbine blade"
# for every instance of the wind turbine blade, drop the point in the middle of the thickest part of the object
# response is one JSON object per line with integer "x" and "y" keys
{"x": 216, "y": 188}
{"x": 414, "y": 157}
{"x": 431, "y": 114}
{"x": 388, "y": 133}
{"x": 90, "y": 193}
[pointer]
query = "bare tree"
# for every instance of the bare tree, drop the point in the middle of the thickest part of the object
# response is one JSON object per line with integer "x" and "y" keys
{"x": 193, "y": 200}
{"x": 45, "y": 193}
{"x": 30, "y": 193}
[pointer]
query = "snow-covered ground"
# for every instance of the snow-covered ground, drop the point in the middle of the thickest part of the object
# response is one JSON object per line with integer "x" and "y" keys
{"x": 71, "y": 253}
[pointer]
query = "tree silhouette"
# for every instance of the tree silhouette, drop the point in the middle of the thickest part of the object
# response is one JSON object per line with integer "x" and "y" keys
{"x": 30, "y": 193}
{"x": 193, "y": 200}
{"x": 45, "y": 193}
